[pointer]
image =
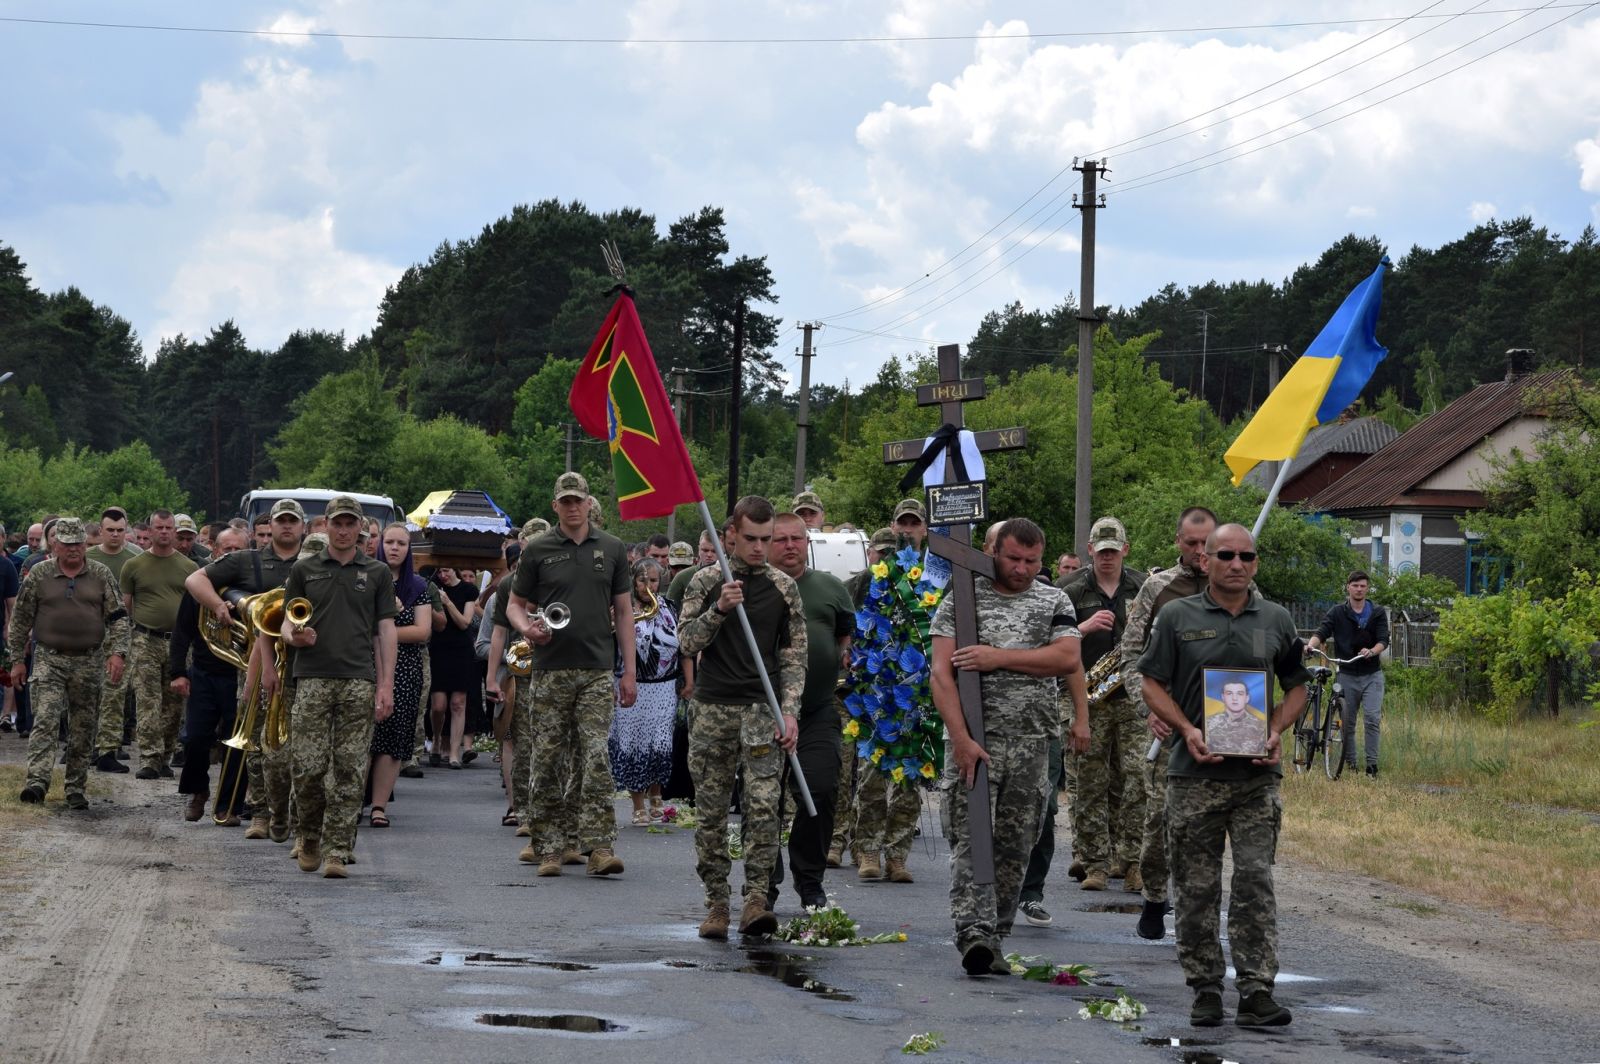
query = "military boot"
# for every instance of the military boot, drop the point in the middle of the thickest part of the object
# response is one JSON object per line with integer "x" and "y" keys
{"x": 897, "y": 872}
{"x": 1133, "y": 881}
{"x": 333, "y": 868}
{"x": 715, "y": 925}
{"x": 604, "y": 862}
{"x": 755, "y": 918}
{"x": 867, "y": 866}
{"x": 309, "y": 859}
{"x": 258, "y": 829}
{"x": 1095, "y": 880}
{"x": 549, "y": 864}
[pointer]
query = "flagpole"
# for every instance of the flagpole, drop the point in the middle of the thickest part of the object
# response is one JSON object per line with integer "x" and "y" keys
{"x": 798, "y": 775}
{"x": 1272, "y": 497}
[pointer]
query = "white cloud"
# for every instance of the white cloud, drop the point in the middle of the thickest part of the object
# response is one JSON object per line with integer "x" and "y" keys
{"x": 1359, "y": 211}
{"x": 290, "y": 30}
{"x": 1481, "y": 212}
{"x": 1588, "y": 152}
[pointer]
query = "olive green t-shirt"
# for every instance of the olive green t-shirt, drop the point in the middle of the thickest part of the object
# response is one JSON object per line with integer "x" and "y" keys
{"x": 114, "y": 562}
{"x": 1194, "y": 634}
{"x": 680, "y": 584}
{"x": 348, "y": 599}
{"x": 829, "y": 615}
{"x": 238, "y": 570}
{"x": 156, "y": 586}
{"x": 585, "y": 575}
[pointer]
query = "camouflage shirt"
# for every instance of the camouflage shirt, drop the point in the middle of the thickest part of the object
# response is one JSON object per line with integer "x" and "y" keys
{"x": 727, "y": 674}
{"x": 1160, "y": 587}
{"x": 69, "y": 613}
{"x": 1014, "y": 704}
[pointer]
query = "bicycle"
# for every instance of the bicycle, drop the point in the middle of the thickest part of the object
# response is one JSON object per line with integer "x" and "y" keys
{"x": 1315, "y": 732}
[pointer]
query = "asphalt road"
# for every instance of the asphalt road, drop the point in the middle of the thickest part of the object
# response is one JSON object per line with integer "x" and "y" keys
{"x": 440, "y": 928}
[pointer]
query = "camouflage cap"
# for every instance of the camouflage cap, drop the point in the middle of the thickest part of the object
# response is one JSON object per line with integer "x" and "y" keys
{"x": 315, "y": 543}
{"x": 911, "y": 506}
{"x": 807, "y": 500}
{"x": 185, "y": 523}
{"x": 68, "y": 530}
{"x": 884, "y": 539}
{"x": 569, "y": 484}
{"x": 288, "y": 506}
{"x": 680, "y": 554}
{"x": 340, "y": 505}
{"x": 1107, "y": 534}
{"x": 535, "y": 526}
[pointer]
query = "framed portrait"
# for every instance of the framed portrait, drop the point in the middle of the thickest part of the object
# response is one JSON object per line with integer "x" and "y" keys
{"x": 1236, "y": 712}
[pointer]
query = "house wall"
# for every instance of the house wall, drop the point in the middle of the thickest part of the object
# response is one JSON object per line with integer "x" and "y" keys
{"x": 1468, "y": 471}
{"x": 1406, "y": 541}
{"x": 1327, "y": 470}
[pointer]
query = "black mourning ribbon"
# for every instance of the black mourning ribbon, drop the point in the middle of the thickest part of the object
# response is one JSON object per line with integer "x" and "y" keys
{"x": 948, "y": 440}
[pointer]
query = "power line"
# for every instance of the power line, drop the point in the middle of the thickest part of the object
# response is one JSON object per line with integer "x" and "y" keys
{"x": 464, "y": 38}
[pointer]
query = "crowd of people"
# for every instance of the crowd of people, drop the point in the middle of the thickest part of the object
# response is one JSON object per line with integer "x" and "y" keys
{"x": 333, "y": 666}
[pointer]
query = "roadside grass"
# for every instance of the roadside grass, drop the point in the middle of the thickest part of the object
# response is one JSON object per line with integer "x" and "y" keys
{"x": 1467, "y": 811}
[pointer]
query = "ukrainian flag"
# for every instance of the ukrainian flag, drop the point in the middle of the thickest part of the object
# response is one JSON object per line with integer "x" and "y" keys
{"x": 1318, "y": 387}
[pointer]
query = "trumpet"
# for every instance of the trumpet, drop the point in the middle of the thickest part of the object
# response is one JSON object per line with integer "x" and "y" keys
{"x": 555, "y": 616}
{"x": 519, "y": 655}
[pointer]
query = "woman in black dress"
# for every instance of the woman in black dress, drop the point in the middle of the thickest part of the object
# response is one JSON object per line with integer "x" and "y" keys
{"x": 454, "y": 661}
{"x": 392, "y": 738}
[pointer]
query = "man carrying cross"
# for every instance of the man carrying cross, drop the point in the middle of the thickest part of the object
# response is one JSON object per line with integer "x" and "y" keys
{"x": 1026, "y": 638}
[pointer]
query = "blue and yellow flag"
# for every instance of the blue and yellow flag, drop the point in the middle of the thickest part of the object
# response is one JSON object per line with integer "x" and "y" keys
{"x": 1317, "y": 388}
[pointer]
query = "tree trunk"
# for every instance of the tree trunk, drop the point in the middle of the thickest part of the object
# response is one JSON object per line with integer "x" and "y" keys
{"x": 1552, "y": 677}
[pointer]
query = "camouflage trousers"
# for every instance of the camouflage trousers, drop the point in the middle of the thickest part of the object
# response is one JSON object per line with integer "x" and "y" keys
{"x": 419, "y": 746}
{"x": 63, "y": 686}
{"x": 269, "y": 771}
{"x": 886, "y": 814}
{"x": 1019, "y": 785}
{"x": 722, "y": 740}
{"x": 159, "y": 708}
{"x": 844, "y": 816}
{"x": 569, "y": 777}
{"x": 1203, "y": 816}
{"x": 1153, "y": 849}
{"x": 113, "y": 707}
{"x": 330, "y": 736}
{"x": 1108, "y": 806}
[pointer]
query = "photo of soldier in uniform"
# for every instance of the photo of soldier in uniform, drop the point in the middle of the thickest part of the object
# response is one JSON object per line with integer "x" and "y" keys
{"x": 1236, "y": 712}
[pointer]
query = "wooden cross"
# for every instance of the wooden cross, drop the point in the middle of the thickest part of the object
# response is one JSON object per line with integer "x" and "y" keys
{"x": 966, "y": 563}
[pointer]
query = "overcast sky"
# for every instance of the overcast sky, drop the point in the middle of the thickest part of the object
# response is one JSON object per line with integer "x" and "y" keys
{"x": 283, "y": 180}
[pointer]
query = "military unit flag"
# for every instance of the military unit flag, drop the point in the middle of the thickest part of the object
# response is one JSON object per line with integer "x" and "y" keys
{"x": 618, "y": 396}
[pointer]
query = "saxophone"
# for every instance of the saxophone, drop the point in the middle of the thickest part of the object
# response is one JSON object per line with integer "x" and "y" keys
{"x": 1104, "y": 679}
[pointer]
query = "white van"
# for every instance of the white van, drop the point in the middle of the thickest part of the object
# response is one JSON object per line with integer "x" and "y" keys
{"x": 842, "y": 554}
{"x": 314, "y": 501}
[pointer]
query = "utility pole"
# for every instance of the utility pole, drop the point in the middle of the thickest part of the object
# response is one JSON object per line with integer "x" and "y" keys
{"x": 677, "y": 413}
{"x": 1273, "y": 353}
{"x": 735, "y": 398}
{"x": 802, "y": 423}
{"x": 1089, "y": 203}
{"x": 567, "y": 427}
{"x": 1205, "y": 345}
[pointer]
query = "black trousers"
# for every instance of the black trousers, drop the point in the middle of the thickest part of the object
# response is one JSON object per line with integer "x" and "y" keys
{"x": 809, "y": 835}
{"x": 213, "y": 701}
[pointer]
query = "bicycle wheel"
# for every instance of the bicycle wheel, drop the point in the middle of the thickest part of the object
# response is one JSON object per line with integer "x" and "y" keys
{"x": 1305, "y": 739}
{"x": 1333, "y": 742}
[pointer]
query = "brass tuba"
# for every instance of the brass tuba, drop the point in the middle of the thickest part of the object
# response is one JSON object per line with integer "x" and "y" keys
{"x": 1105, "y": 677}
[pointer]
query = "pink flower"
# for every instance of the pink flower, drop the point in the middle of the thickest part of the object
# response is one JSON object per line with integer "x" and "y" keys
{"x": 1066, "y": 979}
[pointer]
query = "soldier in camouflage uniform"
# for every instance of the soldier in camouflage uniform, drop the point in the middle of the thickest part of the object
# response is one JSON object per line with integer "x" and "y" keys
{"x": 343, "y": 668}
{"x": 152, "y": 587}
{"x": 74, "y": 613}
{"x": 571, "y": 697}
{"x": 113, "y": 552}
{"x": 1026, "y": 639}
{"x": 1186, "y": 578}
{"x": 1213, "y": 801}
{"x": 730, "y": 723}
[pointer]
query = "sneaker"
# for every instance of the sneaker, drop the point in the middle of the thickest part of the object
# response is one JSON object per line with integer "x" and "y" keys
{"x": 411, "y": 771}
{"x": 434, "y": 760}
{"x": 573, "y": 855}
{"x": 897, "y": 872}
{"x": 755, "y": 918}
{"x": 6, "y": 724}
{"x": 978, "y": 959}
{"x": 178, "y": 758}
{"x": 333, "y": 868}
{"x": 715, "y": 925}
{"x": 1207, "y": 1009}
{"x": 1035, "y": 913}
{"x": 1372, "y": 772}
{"x": 123, "y": 755}
{"x": 1153, "y": 921}
{"x": 165, "y": 772}
{"x": 1259, "y": 1010}
{"x": 147, "y": 773}
{"x": 835, "y": 857}
{"x": 77, "y": 801}
{"x": 1095, "y": 880}
{"x": 195, "y": 809}
{"x": 1077, "y": 871}
{"x": 603, "y": 862}
{"x": 309, "y": 859}
{"x": 109, "y": 763}
{"x": 867, "y": 867}
{"x": 814, "y": 901}
{"x": 257, "y": 829}
{"x": 549, "y": 864}
{"x": 1133, "y": 880}
{"x": 33, "y": 794}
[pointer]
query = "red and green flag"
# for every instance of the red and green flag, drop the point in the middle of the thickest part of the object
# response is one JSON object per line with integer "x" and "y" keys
{"x": 618, "y": 396}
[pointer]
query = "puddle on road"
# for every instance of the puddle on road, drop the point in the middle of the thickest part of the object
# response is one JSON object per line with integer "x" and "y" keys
{"x": 789, "y": 969}
{"x": 1132, "y": 908}
{"x": 571, "y": 1023}
{"x": 495, "y": 960}
{"x": 1342, "y": 1010}
{"x": 1175, "y": 1043}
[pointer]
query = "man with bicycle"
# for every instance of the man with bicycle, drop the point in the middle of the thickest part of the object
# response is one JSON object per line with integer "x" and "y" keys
{"x": 1360, "y": 630}
{"x": 1214, "y": 801}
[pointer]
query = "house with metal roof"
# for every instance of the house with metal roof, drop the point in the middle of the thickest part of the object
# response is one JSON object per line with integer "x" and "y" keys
{"x": 1328, "y": 453}
{"x": 1412, "y": 500}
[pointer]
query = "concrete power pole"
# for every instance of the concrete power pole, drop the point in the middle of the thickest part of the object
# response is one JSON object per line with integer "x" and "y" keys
{"x": 567, "y": 427}
{"x": 1088, "y": 203}
{"x": 802, "y": 423}
{"x": 735, "y": 400}
{"x": 1274, "y": 352}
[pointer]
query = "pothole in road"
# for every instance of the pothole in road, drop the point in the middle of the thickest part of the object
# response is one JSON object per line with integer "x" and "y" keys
{"x": 495, "y": 960}
{"x": 788, "y": 969}
{"x": 571, "y": 1023}
{"x": 1130, "y": 907}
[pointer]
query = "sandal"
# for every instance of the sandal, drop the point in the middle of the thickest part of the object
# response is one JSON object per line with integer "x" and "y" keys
{"x": 378, "y": 819}
{"x": 641, "y": 817}
{"x": 510, "y": 819}
{"x": 656, "y": 805}
{"x": 455, "y": 764}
